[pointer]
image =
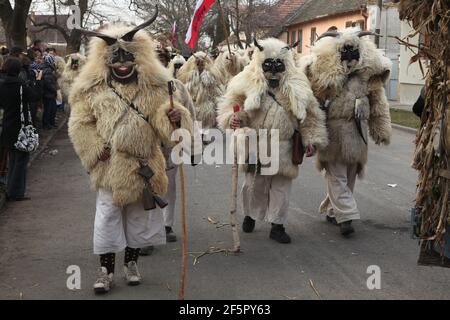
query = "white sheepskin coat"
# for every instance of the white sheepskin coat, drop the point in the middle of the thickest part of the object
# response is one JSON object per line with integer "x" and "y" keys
{"x": 298, "y": 108}
{"x": 331, "y": 82}
{"x": 96, "y": 109}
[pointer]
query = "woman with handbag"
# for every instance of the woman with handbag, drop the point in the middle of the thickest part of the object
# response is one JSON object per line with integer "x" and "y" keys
{"x": 18, "y": 137}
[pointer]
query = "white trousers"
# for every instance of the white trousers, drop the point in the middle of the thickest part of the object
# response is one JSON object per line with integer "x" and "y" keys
{"x": 269, "y": 199}
{"x": 117, "y": 228}
{"x": 340, "y": 201}
{"x": 171, "y": 197}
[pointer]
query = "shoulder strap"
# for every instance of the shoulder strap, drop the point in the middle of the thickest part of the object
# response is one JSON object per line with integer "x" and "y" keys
{"x": 22, "y": 116}
{"x": 130, "y": 104}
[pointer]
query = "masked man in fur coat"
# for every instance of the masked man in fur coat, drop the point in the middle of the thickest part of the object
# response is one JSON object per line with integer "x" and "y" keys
{"x": 273, "y": 95}
{"x": 202, "y": 79}
{"x": 121, "y": 113}
{"x": 71, "y": 70}
{"x": 348, "y": 74}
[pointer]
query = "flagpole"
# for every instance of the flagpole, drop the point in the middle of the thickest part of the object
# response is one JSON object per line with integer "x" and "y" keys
{"x": 224, "y": 26}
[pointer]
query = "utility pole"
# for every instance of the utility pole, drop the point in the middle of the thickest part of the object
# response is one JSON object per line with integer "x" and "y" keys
{"x": 378, "y": 26}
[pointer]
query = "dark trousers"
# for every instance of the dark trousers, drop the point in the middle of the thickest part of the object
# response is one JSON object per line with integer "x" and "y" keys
{"x": 33, "y": 110}
{"x": 49, "y": 116}
{"x": 17, "y": 173}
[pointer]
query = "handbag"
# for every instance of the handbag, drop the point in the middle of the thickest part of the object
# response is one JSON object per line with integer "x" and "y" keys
{"x": 28, "y": 139}
{"x": 298, "y": 149}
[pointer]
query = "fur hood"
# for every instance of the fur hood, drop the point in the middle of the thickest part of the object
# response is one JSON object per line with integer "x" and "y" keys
{"x": 251, "y": 85}
{"x": 96, "y": 72}
{"x": 324, "y": 67}
{"x": 189, "y": 70}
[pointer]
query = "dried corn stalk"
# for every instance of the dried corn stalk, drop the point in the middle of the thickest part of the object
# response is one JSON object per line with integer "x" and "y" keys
{"x": 432, "y": 156}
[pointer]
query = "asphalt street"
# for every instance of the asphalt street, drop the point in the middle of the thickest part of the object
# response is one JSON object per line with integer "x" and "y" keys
{"x": 41, "y": 238}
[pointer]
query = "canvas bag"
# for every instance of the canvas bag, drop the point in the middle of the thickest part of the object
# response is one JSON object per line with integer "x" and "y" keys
{"x": 28, "y": 139}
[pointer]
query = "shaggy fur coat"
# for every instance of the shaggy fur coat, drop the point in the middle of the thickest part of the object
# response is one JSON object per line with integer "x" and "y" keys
{"x": 68, "y": 75}
{"x": 205, "y": 88}
{"x": 364, "y": 86}
{"x": 99, "y": 118}
{"x": 296, "y": 109}
{"x": 229, "y": 66}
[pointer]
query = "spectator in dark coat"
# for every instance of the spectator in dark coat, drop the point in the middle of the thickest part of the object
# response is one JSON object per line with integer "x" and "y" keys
{"x": 50, "y": 92}
{"x": 419, "y": 106}
{"x": 10, "y": 102}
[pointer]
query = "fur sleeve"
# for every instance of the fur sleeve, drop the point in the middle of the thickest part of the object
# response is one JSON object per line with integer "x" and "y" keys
{"x": 83, "y": 133}
{"x": 380, "y": 117}
{"x": 164, "y": 127}
{"x": 313, "y": 129}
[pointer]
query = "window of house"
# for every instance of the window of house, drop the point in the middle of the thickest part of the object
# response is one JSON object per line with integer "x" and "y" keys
{"x": 300, "y": 41}
{"x": 293, "y": 38}
{"x": 313, "y": 35}
{"x": 348, "y": 24}
{"x": 333, "y": 28}
{"x": 361, "y": 24}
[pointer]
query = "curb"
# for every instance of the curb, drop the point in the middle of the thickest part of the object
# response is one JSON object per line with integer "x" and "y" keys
{"x": 46, "y": 142}
{"x": 404, "y": 129}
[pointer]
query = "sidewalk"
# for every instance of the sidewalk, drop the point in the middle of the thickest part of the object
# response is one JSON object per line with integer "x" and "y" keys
{"x": 399, "y": 106}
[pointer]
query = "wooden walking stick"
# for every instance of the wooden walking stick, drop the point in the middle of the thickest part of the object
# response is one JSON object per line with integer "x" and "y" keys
{"x": 234, "y": 187}
{"x": 183, "y": 210}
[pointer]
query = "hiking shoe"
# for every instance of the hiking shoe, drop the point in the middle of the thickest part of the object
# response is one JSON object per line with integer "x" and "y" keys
{"x": 278, "y": 233}
{"x": 132, "y": 274}
{"x": 147, "y": 251}
{"x": 170, "y": 235}
{"x": 332, "y": 220}
{"x": 104, "y": 281}
{"x": 249, "y": 225}
{"x": 346, "y": 228}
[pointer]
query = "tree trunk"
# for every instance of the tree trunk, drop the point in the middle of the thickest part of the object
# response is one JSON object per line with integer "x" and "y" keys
{"x": 15, "y": 22}
{"x": 249, "y": 23}
{"x": 74, "y": 42}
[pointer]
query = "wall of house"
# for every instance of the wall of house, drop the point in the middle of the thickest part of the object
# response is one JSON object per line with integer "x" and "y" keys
{"x": 321, "y": 25}
{"x": 411, "y": 78}
{"x": 389, "y": 26}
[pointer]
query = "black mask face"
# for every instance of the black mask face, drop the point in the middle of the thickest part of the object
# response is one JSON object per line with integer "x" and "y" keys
{"x": 273, "y": 66}
{"x": 200, "y": 65}
{"x": 123, "y": 68}
{"x": 272, "y": 69}
{"x": 349, "y": 53}
{"x": 75, "y": 64}
{"x": 178, "y": 65}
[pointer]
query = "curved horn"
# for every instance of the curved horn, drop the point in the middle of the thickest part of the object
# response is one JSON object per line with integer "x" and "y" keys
{"x": 295, "y": 45}
{"x": 333, "y": 34}
{"x": 130, "y": 35}
{"x": 109, "y": 40}
{"x": 261, "y": 48}
{"x": 368, "y": 33}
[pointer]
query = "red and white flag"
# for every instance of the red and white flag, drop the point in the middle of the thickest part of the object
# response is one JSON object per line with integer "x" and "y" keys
{"x": 174, "y": 32}
{"x": 200, "y": 10}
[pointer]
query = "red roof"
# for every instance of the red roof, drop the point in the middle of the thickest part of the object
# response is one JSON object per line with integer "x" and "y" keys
{"x": 282, "y": 10}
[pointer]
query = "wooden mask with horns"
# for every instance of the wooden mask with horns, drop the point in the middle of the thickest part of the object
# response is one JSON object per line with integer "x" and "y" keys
{"x": 122, "y": 62}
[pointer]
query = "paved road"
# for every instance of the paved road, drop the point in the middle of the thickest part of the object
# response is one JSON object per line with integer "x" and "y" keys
{"x": 41, "y": 238}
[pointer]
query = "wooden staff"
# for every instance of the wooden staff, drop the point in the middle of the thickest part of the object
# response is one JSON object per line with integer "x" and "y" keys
{"x": 234, "y": 187}
{"x": 225, "y": 29}
{"x": 183, "y": 210}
